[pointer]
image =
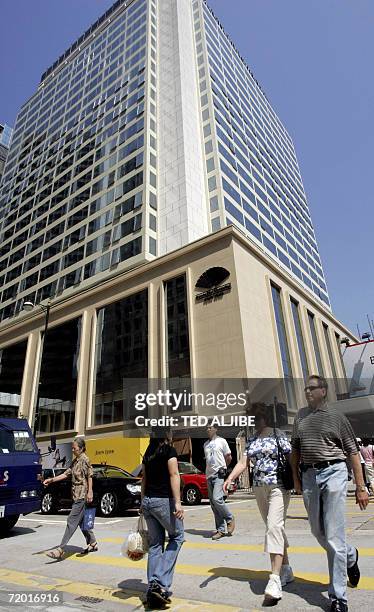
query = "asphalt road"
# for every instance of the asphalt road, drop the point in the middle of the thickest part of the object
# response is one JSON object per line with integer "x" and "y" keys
{"x": 224, "y": 576}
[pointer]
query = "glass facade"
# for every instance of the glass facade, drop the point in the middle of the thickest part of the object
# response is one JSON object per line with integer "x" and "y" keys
{"x": 5, "y": 135}
{"x": 331, "y": 357}
{"x": 300, "y": 338}
{"x": 121, "y": 354}
{"x": 251, "y": 162}
{"x": 177, "y": 336}
{"x": 317, "y": 352}
{"x": 58, "y": 378}
{"x": 283, "y": 345}
{"x": 78, "y": 164}
{"x": 12, "y": 361}
{"x": 5, "y": 138}
{"x": 338, "y": 346}
{"x": 80, "y": 196}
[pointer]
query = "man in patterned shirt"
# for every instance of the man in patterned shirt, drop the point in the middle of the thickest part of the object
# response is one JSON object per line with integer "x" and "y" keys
{"x": 322, "y": 440}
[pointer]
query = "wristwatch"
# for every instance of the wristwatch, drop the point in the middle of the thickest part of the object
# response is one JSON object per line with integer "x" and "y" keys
{"x": 361, "y": 488}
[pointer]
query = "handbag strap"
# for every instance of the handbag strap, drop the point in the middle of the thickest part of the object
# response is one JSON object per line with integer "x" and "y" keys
{"x": 280, "y": 451}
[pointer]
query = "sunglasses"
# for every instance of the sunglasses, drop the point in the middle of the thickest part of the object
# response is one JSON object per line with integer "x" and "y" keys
{"x": 312, "y": 388}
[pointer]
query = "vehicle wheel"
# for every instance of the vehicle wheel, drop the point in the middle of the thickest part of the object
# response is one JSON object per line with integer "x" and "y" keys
{"x": 108, "y": 504}
{"x": 191, "y": 495}
{"x": 48, "y": 505}
{"x": 7, "y": 523}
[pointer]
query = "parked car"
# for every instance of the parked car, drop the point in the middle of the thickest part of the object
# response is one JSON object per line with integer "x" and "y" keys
{"x": 113, "y": 489}
{"x": 194, "y": 484}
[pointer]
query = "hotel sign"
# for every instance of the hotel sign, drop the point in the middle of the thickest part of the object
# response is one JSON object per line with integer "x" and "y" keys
{"x": 213, "y": 281}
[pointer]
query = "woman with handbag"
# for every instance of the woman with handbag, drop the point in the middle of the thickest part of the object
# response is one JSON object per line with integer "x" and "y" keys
{"x": 162, "y": 510}
{"x": 81, "y": 486}
{"x": 269, "y": 450}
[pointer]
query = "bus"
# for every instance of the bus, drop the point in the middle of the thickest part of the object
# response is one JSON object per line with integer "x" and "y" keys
{"x": 20, "y": 473}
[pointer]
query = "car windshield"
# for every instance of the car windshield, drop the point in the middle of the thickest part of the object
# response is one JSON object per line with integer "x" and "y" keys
{"x": 110, "y": 472}
{"x": 187, "y": 468}
{"x": 15, "y": 441}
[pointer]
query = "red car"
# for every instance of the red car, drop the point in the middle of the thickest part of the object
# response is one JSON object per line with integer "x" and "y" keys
{"x": 194, "y": 484}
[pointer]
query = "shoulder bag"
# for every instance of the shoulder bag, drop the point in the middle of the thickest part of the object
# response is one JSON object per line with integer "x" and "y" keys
{"x": 284, "y": 470}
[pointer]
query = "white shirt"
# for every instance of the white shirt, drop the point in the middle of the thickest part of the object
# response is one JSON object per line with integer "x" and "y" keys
{"x": 215, "y": 451}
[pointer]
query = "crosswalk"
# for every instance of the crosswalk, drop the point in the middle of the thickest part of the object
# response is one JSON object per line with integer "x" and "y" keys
{"x": 229, "y": 575}
{"x": 99, "y": 592}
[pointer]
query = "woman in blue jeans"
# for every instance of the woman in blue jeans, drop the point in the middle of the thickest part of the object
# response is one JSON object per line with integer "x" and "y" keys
{"x": 161, "y": 506}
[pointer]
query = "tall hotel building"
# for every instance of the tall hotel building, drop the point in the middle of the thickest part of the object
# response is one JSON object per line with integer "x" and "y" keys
{"x": 143, "y": 140}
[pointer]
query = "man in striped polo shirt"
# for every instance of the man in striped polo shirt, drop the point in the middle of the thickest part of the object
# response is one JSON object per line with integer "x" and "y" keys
{"x": 322, "y": 440}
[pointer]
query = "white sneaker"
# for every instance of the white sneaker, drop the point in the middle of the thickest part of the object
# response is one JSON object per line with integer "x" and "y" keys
{"x": 274, "y": 587}
{"x": 286, "y": 575}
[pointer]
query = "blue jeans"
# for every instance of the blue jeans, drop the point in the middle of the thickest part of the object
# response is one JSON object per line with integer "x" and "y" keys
{"x": 221, "y": 512}
{"x": 324, "y": 493}
{"x": 158, "y": 513}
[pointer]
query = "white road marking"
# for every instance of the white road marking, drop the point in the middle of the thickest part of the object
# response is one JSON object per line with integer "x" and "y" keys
{"x": 53, "y": 522}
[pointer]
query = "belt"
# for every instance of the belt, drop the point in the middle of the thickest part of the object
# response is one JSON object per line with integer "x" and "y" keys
{"x": 320, "y": 465}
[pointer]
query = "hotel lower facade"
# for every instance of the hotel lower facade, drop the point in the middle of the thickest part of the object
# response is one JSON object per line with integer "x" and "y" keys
{"x": 173, "y": 319}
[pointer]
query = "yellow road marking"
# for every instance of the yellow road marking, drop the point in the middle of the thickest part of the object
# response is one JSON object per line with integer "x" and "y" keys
{"x": 120, "y": 596}
{"x": 238, "y": 573}
{"x": 364, "y": 552}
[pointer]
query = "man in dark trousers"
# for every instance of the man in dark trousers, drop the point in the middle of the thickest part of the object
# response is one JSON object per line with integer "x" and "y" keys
{"x": 322, "y": 440}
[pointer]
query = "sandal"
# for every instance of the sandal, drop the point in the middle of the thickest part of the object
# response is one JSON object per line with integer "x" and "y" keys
{"x": 91, "y": 548}
{"x": 56, "y": 553}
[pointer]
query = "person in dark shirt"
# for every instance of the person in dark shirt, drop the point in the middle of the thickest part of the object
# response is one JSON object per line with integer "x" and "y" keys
{"x": 162, "y": 510}
{"x": 322, "y": 441}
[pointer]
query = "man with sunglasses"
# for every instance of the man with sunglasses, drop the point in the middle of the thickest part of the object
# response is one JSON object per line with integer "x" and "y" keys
{"x": 322, "y": 441}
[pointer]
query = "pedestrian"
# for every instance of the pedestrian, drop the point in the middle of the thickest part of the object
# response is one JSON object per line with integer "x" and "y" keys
{"x": 271, "y": 496}
{"x": 163, "y": 512}
{"x": 322, "y": 440}
{"x": 80, "y": 472}
{"x": 367, "y": 453}
{"x": 218, "y": 458}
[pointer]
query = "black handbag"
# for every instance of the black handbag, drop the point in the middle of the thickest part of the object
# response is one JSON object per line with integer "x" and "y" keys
{"x": 284, "y": 470}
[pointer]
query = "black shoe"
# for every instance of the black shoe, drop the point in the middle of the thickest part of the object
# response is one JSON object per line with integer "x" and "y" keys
{"x": 339, "y": 606}
{"x": 157, "y": 594}
{"x": 153, "y": 603}
{"x": 354, "y": 573}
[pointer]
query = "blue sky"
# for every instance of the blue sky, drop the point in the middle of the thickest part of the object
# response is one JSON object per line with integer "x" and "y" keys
{"x": 313, "y": 60}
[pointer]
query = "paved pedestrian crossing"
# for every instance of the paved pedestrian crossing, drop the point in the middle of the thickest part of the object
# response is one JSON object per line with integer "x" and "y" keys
{"x": 225, "y": 576}
{"x": 126, "y": 597}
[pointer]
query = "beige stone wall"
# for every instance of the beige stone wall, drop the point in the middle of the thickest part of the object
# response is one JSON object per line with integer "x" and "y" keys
{"x": 231, "y": 337}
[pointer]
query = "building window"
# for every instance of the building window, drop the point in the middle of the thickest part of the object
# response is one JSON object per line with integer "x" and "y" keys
{"x": 121, "y": 353}
{"x": 216, "y": 224}
{"x": 12, "y": 361}
{"x": 58, "y": 378}
{"x": 177, "y": 336}
{"x": 283, "y": 345}
{"x": 152, "y": 246}
{"x": 299, "y": 338}
{"x": 317, "y": 352}
{"x": 338, "y": 345}
{"x": 331, "y": 357}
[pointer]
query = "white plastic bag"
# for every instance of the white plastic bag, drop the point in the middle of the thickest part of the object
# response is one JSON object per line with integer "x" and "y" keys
{"x": 135, "y": 547}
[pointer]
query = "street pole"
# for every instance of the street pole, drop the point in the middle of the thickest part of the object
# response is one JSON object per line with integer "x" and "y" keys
{"x": 46, "y": 310}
